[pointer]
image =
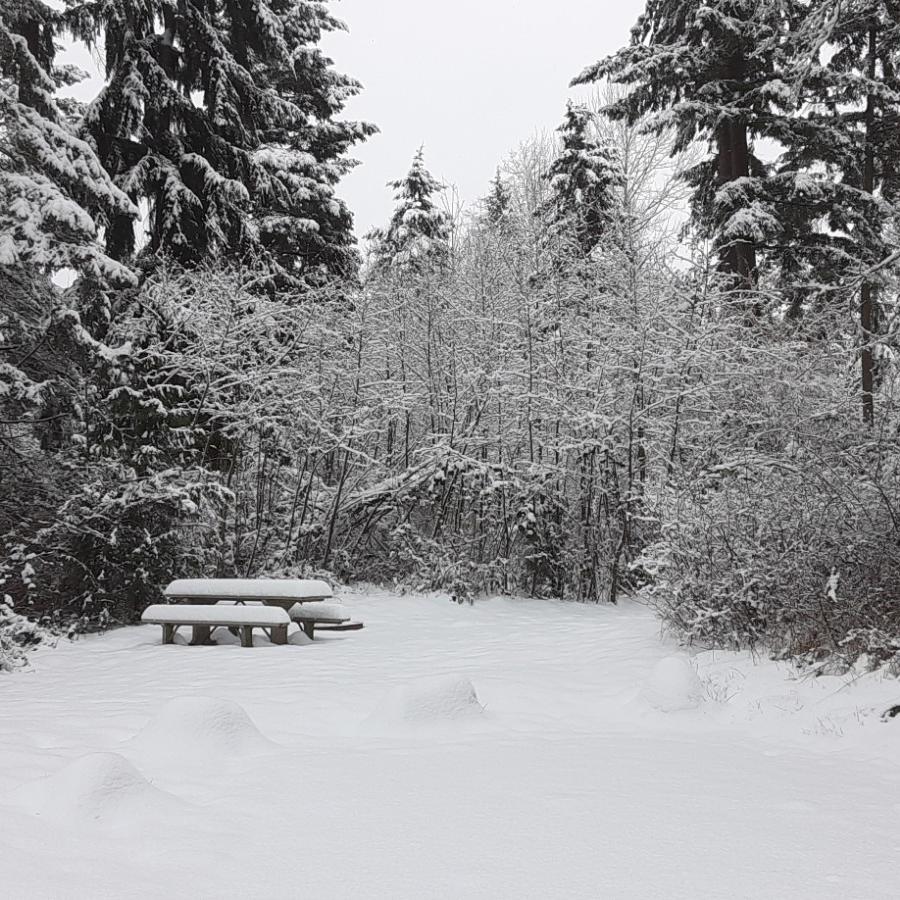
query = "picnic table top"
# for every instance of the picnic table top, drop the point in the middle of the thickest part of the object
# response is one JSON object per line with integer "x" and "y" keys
{"x": 264, "y": 589}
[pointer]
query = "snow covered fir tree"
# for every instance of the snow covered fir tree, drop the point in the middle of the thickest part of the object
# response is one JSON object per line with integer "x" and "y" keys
{"x": 583, "y": 180}
{"x": 667, "y": 326}
{"x": 418, "y": 232}
{"x": 223, "y": 121}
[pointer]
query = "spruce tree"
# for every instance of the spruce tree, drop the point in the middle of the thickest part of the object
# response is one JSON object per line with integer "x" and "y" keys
{"x": 221, "y": 118}
{"x": 583, "y": 181}
{"x": 708, "y": 69}
{"x": 54, "y": 198}
{"x": 497, "y": 202}
{"x": 846, "y": 129}
{"x": 418, "y": 234}
{"x": 301, "y": 223}
{"x": 54, "y": 194}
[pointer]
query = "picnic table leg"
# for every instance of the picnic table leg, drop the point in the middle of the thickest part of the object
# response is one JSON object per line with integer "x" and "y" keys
{"x": 309, "y": 627}
{"x": 202, "y": 635}
{"x": 279, "y": 634}
{"x": 246, "y": 635}
{"x": 168, "y": 636}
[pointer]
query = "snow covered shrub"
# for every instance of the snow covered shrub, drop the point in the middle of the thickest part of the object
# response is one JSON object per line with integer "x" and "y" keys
{"x": 112, "y": 547}
{"x": 17, "y": 635}
{"x": 802, "y": 556}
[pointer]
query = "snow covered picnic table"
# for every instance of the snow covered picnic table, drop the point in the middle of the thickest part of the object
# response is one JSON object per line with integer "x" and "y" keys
{"x": 213, "y": 602}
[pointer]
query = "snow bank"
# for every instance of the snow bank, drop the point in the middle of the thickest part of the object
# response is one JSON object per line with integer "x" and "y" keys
{"x": 101, "y": 787}
{"x": 195, "y": 729}
{"x": 430, "y": 700}
{"x": 673, "y": 684}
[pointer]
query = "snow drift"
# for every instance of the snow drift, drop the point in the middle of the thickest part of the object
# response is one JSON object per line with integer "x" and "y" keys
{"x": 195, "y": 729}
{"x": 101, "y": 787}
{"x": 429, "y": 701}
{"x": 673, "y": 685}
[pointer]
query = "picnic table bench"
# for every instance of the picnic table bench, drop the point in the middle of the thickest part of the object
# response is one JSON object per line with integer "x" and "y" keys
{"x": 221, "y": 602}
{"x": 323, "y": 615}
{"x": 204, "y": 618}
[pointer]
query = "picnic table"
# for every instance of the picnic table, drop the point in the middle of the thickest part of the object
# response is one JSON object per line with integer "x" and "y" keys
{"x": 208, "y": 603}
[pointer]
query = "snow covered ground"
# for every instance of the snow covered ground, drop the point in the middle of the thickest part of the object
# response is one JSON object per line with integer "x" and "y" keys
{"x": 514, "y": 749}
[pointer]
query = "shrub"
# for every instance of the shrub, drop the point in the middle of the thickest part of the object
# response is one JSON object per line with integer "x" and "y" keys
{"x": 801, "y": 557}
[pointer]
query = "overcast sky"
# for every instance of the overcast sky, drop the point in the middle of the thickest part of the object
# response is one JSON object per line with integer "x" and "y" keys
{"x": 469, "y": 79}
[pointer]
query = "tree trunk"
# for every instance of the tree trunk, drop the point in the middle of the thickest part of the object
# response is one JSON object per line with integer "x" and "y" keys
{"x": 866, "y": 302}
{"x": 738, "y": 258}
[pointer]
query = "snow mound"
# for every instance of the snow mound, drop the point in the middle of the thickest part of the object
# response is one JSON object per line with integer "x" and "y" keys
{"x": 432, "y": 700}
{"x": 195, "y": 729}
{"x": 100, "y": 787}
{"x": 673, "y": 684}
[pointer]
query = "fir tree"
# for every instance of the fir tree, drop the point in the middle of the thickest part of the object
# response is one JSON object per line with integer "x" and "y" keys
{"x": 54, "y": 197}
{"x": 708, "y": 69}
{"x": 497, "y": 202}
{"x": 583, "y": 181}
{"x": 54, "y": 194}
{"x": 221, "y": 118}
{"x": 418, "y": 234}
{"x": 301, "y": 223}
{"x": 846, "y": 129}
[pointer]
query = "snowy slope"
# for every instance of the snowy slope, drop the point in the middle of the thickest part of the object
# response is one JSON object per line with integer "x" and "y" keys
{"x": 515, "y": 749}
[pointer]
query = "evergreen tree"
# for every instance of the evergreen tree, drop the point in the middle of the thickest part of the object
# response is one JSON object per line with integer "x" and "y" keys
{"x": 847, "y": 130}
{"x": 418, "y": 234}
{"x": 54, "y": 197}
{"x": 54, "y": 194}
{"x": 708, "y": 68}
{"x": 221, "y": 118}
{"x": 301, "y": 223}
{"x": 583, "y": 181}
{"x": 497, "y": 202}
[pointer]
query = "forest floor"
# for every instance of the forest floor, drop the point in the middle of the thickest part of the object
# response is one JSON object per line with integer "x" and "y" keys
{"x": 365, "y": 768}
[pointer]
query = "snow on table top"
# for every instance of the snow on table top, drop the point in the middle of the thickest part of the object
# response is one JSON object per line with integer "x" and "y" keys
{"x": 250, "y": 588}
{"x": 243, "y": 615}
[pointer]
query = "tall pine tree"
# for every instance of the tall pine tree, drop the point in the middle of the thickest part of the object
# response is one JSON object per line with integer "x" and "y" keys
{"x": 497, "y": 203}
{"x": 583, "y": 181}
{"x": 301, "y": 223}
{"x": 418, "y": 234}
{"x": 54, "y": 199}
{"x": 846, "y": 129}
{"x": 220, "y": 117}
{"x": 54, "y": 194}
{"x": 708, "y": 69}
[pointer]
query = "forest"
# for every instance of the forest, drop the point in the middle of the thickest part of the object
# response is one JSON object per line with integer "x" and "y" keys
{"x": 658, "y": 358}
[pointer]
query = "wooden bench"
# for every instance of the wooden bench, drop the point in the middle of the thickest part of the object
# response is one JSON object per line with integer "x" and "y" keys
{"x": 204, "y": 618}
{"x": 325, "y": 615}
{"x": 343, "y": 626}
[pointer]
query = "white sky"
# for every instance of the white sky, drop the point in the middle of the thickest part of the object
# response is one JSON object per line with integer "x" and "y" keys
{"x": 470, "y": 80}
